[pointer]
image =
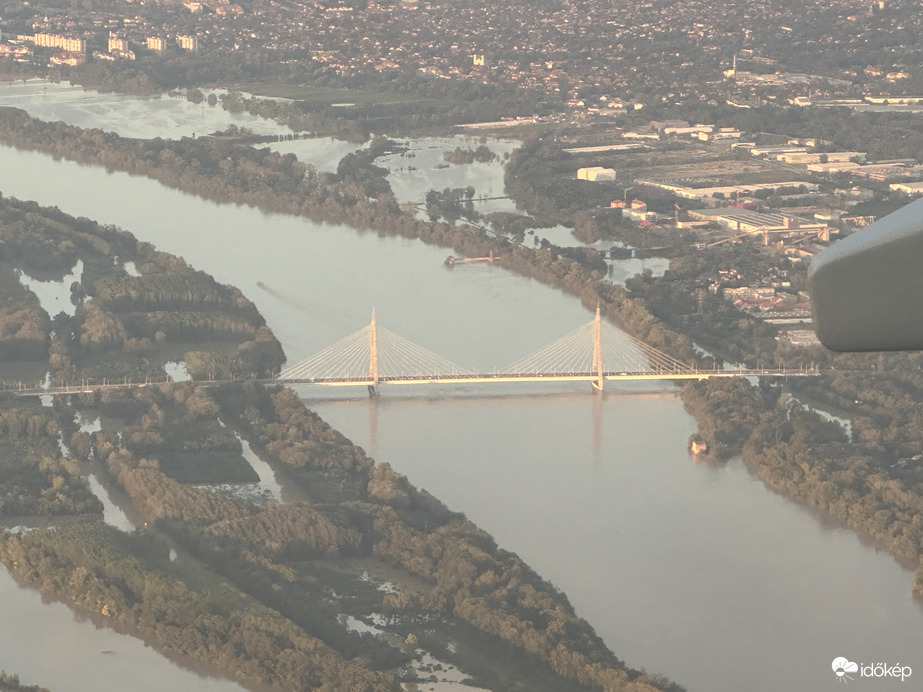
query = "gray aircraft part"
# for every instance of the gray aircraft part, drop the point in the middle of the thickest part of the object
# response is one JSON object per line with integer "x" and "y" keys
{"x": 867, "y": 289}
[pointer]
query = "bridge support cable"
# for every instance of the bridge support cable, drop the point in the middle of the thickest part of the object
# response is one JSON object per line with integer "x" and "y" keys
{"x": 595, "y": 351}
{"x": 370, "y": 356}
{"x": 344, "y": 359}
{"x": 650, "y": 358}
{"x": 597, "y": 348}
{"x": 569, "y": 354}
{"x": 400, "y": 357}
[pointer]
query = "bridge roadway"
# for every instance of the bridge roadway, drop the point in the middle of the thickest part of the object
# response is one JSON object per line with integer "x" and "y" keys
{"x": 455, "y": 378}
{"x": 479, "y": 378}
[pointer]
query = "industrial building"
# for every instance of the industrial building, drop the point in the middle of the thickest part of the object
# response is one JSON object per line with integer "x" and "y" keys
{"x": 750, "y": 221}
{"x": 727, "y": 191}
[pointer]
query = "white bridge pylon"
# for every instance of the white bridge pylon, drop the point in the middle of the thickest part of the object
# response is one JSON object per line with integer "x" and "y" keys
{"x": 370, "y": 355}
{"x": 613, "y": 351}
{"x": 592, "y": 353}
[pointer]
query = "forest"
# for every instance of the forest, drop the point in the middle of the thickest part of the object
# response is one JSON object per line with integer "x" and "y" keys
{"x": 164, "y": 445}
{"x": 805, "y": 459}
{"x": 284, "y": 574}
{"x": 482, "y": 154}
{"x": 118, "y": 322}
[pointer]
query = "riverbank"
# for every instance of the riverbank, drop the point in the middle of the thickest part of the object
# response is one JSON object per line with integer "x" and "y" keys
{"x": 224, "y": 172}
{"x": 283, "y": 571}
{"x": 168, "y": 447}
{"x": 97, "y": 305}
{"x": 607, "y": 502}
{"x": 276, "y": 183}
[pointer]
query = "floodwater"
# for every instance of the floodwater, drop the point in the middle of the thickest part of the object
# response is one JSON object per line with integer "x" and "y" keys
{"x": 691, "y": 570}
{"x": 46, "y": 644}
{"x": 170, "y": 116}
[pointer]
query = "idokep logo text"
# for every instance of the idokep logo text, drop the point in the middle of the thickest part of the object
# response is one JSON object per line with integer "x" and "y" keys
{"x": 846, "y": 670}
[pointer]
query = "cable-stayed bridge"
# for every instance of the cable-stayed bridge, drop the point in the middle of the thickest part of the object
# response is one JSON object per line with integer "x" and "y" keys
{"x": 372, "y": 356}
{"x": 594, "y": 353}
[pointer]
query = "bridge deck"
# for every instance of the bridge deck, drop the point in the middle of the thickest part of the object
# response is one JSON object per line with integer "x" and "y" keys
{"x": 459, "y": 378}
{"x": 476, "y": 378}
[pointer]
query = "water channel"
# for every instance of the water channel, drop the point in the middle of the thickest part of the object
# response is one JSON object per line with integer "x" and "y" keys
{"x": 691, "y": 570}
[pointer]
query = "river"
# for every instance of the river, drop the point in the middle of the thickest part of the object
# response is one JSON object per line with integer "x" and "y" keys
{"x": 691, "y": 570}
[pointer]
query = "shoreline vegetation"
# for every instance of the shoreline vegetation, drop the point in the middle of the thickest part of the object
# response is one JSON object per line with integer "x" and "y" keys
{"x": 306, "y": 102}
{"x": 269, "y": 591}
{"x": 869, "y": 483}
{"x": 358, "y": 195}
{"x": 130, "y": 308}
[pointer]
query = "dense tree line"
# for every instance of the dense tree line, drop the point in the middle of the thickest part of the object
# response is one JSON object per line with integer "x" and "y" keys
{"x": 376, "y": 512}
{"x": 24, "y": 326}
{"x": 451, "y": 204}
{"x": 682, "y": 300}
{"x": 482, "y": 154}
{"x": 216, "y": 169}
{"x": 35, "y": 480}
{"x": 728, "y": 412}
{"x": 121, "y": 319}
{"x": 871, "y": 481}
{"x": 125, "y": 578}
{"x": 805, "y": 457}
{"x": 261, "y": 548}
{"x": 190, "y": 444}
{"x": 232, "y": 173}
{"x": 272, "y": 618}
{"x": 633, "y": 310}
{"x": 399, "y": 102}
{"x": 543, "y": 180}
{"x": 471, "y": 577}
